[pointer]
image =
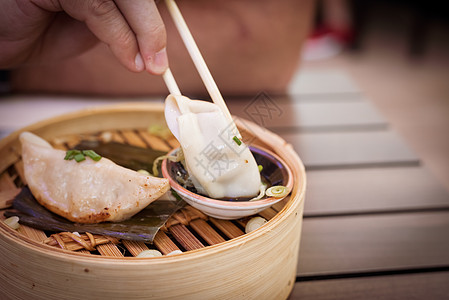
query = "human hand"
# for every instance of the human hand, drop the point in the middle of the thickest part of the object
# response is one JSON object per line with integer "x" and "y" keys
{"x": 39, "y": 31}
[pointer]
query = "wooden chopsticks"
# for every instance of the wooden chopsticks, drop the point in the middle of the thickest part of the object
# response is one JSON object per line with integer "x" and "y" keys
{"x": 197, "y": 58}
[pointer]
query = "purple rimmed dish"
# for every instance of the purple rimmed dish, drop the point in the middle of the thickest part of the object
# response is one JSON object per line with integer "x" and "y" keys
{"x": 274, "y": 172}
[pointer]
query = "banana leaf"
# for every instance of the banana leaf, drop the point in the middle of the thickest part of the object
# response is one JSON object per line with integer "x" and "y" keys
{"x": 141, "y": 227}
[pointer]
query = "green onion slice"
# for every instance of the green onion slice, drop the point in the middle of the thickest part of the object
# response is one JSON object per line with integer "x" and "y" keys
{"x": 236, "y": 140}
{"x": 70, "y": 154}
{"x": 92, "y": 154}
{"x": 80, "y": 155}
{"x": 277, "y": 191}
{"x": 260, "y": 167}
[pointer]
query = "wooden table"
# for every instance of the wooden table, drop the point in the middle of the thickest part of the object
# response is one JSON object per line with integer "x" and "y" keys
{"x": 376, "y": 223}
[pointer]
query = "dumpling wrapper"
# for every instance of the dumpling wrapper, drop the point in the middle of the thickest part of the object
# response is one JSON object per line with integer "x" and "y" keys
{"x": 87, "y": 191}
{"x": 217, "y": 165}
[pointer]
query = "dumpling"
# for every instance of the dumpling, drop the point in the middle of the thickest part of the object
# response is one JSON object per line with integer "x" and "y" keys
{"x": 87, "y": 191}
{"x": 219, "y": 163}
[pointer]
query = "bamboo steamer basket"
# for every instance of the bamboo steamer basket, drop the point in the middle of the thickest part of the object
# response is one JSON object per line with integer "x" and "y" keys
{"x": 258, "y": 265}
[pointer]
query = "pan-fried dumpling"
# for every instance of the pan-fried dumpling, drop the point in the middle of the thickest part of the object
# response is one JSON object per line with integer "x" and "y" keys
{"x": 219, "y": 163}
{"x": 88, "y": 191}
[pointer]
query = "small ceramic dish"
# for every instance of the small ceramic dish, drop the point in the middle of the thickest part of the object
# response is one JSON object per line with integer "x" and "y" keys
{"x": 274, "y": 172}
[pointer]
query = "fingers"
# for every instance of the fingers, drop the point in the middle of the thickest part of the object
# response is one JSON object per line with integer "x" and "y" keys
{"x": 145, "y": 21}
{"x": 133, "y": 29}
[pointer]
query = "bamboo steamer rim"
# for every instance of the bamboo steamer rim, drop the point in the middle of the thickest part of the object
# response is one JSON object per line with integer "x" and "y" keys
{"x": 297, "y": 194}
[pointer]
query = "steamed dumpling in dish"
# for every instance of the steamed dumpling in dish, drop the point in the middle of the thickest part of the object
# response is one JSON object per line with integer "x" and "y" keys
{"x": 86, "y": 191}
{"x": 219, "y": 164}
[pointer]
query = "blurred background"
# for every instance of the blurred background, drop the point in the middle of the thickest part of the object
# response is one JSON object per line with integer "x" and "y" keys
{"x": 397, "y": 52}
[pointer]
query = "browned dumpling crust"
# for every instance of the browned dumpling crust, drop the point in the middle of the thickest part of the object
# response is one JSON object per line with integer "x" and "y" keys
{"x": 88, "y": 191}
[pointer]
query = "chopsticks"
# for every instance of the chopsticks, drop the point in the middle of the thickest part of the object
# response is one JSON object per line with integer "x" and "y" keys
{"x": 197, "y": 58}
{"x": 170, "y": 82}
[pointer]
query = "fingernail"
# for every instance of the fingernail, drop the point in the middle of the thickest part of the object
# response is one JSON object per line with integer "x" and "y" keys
{"x": 159, "y": 62}
{"x": 140, "y": 66}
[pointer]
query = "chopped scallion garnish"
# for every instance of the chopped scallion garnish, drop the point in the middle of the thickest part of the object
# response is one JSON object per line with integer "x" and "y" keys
{"x": 260, "y": 167}
{"x": 70, "y": 154}
{"x": 92, "y": 154}
{"x": 80, "y": 155}
{"x": 236, "y": 139}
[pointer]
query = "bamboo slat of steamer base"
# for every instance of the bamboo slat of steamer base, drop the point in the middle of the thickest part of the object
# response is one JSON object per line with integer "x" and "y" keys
{"x": 185, "y": 238}
{"x": 77, "y": 242}
{"x": 206, "y": 232}
{"x": 268, "y": 213}
{"x": 164, "y": 243}
{"x": 173, "y": 142}
{"x": 132, "y": 138}
{"x": 109, "y": 249}
{"x": 154, "y": 142}
{"x": 134, "y": 247}
{"x": 227, "y": 227}
{"x": 117, "y": 137}
{"x": 72, "y": 141}
{"x": 32, "y": 233}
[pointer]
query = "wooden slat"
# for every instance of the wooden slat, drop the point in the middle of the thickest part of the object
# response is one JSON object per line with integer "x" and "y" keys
{"x": 227, "y": 227}
{"x": 70, "y": 243}
{"x": 348, "y": 149}
{"x": 185, "y": 237}
{"x": 379, "y": 189}
{"x": 410, "y": 286}
{"x": 378, "y": 242}
{"x": 32, "y": 233}
{"x": 164, "y": 243}
{"x": 134, "y": 247}
{"x": 109, "y": 249}
{"x": 318, "y": 82}
{"x": 117, "y": 137}
{"x": 73, "y": 140}
{"x": 173, "y": 142}
{"x": 287, "y": 113}
{"x": 206, "y": 232}
{"x": 153, "y": 142}
{"x": 268, "y": 213}
{"x": 133, "y": 138}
